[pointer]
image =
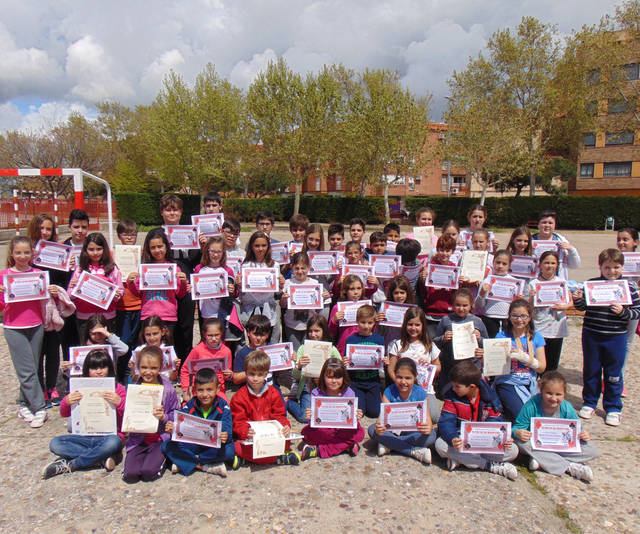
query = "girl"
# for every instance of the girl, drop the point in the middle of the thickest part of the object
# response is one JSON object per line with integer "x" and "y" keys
{"x": 416, "y": 344}
{"x": 144, "y": 459}
{"x": 42, "y": 227}
{"x": 627, "y": 241}
{"x": 96, "y": 259}
{"x": 494, "y": 311}
{"x": 405, "y": 389}
{"x": 161, "y": 302}
{"x": 259, "y": 255}
{"x": 354, "y": 255}
{"x": 295, "y": 321}
{"x": 317, "y": 330}
{"x": 550, "y": 402}
{"x": 400, "y": 292}
{"x": 327, "y": 442}
{"x": 23, "y": 331}
{"x": 569, "y": 257}
{"x": 314, "y": 238}
{"x": 527, "y": 359}
{"x": 550, "y": 321}
{"x": 211, "y": 347}
{"x": 452, "y": 229}
{"x": 425, "y": 216}
{"x": 477, "y": 216}
{"x": 520, "y": 242}
{"x": 351, "y": 290}
{"x": 77, "y": 451}
{"x": 154, "y": 332}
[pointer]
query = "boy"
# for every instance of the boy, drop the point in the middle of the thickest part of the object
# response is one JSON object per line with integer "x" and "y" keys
{"x": 408, "y": 250}
{"x": 128, "y": 307}
{"x": 187, "y": 457}
{"x": 335, "y": 233}
{"x": 265, "y": 222}
{"x": 258, "y": 330}
{"x": 569, "y": 257}
{"x": 298, "y": 227}
{"x": 471, "y": 399}
{"x": 212, "y": 203}
{"x": 604, "y": 343}
{"x": 377, "y": 243}
{"x": 392, "y": 231}
{"x": 231, "y": 232}
{"x": 357, "y": 228}
{"x": 258, "y": 401}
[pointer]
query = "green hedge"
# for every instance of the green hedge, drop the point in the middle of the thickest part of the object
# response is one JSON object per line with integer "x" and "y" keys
{"x": 143, "y": 207}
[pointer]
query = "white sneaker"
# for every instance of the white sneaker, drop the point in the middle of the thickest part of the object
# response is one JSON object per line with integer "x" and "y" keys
{"x": 215, "y": 469}
{"x": 39, "y": 419}
{"x": 586, "y": 412}
{"x": 25, "y": 414}
{"x": 534, "y": 465}
{"x": 110, "y": 463}
{"x": 174, "y": 469}
{"x": 504, "y": 469}
{"x": 580, "y": 471}
{"x": 382, "y": 450}
{"x": 612, "y": 419}
{"x": 422, "y": 453}
{"x": 451, "y": 464}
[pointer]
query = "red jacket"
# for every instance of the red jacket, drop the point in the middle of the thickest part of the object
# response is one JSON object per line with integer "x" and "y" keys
{"x": 246, "y": 406}
{"x": 436, "y": 301}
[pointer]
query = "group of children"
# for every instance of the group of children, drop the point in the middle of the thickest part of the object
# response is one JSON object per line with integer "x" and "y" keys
{"x": 140, "y": 323}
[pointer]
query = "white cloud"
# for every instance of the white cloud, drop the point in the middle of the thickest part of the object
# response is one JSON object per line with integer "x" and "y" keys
{"x": 39, "y": 119}
{"x": 152, "y": 77}
{"x": 244, "y": 72}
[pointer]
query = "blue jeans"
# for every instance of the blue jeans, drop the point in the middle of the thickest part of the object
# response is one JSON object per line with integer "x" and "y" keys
{"x": 85, "y": 451}
{"x": 511, "y": 401}
{"x": 369, "y": 396}
{"x": 187, "y": 455}
{"x": 298, "y": 409}
{"x": 404, "y": 442}
{"x": 603, "y": 355}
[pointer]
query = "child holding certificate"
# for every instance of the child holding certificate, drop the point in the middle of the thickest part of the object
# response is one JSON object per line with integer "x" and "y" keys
{"x": 314, "y": 241}
{"x": 96, "y": 332}
{"x": 550, "y": 402}
{"x": 353, "y": 255}
{"x": 206, "y": 404}
{"x": 477, "y": 216}
{"x": 569, "y": 257}
{"x": 327, "y": 442}
{"x": 410, "y": 443}
{"x": 144, "y": 459}
{"x": 78, "y": 451}
{"x": 399, "y": 291}
{"x": 351, "y": 290}
{"x": 408, "y": 250}
{"x": 520, "y": 242}
{"x": 154, "y": 332}
{"x": 471, "y": 399}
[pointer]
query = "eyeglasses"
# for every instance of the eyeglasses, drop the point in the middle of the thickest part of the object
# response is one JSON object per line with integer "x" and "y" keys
{"x": 520, "y": 317}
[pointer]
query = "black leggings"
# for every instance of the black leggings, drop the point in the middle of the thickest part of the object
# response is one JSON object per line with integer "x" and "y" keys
{"x": 49, "y": 360}
{"x": 492, "y": 325}
{"x": 552, "y": 351}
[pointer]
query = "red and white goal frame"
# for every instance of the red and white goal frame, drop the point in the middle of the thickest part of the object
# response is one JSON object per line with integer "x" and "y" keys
{"x": 78, "y": 186}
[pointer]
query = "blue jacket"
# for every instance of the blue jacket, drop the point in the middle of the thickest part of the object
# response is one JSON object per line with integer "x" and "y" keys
{"x": 219, "y": 412}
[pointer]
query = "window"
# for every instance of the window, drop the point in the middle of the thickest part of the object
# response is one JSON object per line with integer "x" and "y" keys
{"x": 619, "y": 138}
{"x": 445, "y": 165}
{"x": 632, "y": 71}
{"x": 617, "y": 169}
{"x": 411, "y": 183}
{"x": 618, "y": 105}
{"x": 586, "y": 170}
{"x": 590, "y": 139}
{"x": 338, "y": 183}
{"x": 319, "y": 183}
{"x": 593, "y": 77}
{"x": 592, "y": 108}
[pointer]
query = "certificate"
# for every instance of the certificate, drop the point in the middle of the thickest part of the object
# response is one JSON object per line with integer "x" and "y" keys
{"x": 442, "y": 276}
{"x": 394, "y": 313}
{"x": 77, "y": 356}
{"x": 350, "y": 309}
{"x": 456, "y": 255}
{"x": 464, "y": 340}
{"x": 169, "y": 358}
{"x": 424, "y": 236}
{"x": 259, "y": 279}
{"x": 524, "y": 266}
{"x": 364, "y": 356}
{"x": 94, "y": 290}
{"x": 324, "y": 261}
{"x": 305, "y": 297}
{"x": 385, "y": 266}
{"x": 76, "y": 250}
{"x": 473, "y": 264}
{"x": 281, "y": 355}
{"x": 426, "y": 374}
{"x": 334, "y": 412}
{"x": 496, "y": 360}
{"x": 606, "y": 292}
{"x": 209, "y": 285}
{"x": 189, "y": 428}
{"x": 504, "y": 288}
{"x": 158, "y": 276}
{"x": 52, "y": 255}
{"x": 268, "y": 438}
{"x": 235, "y": 264}
{"x": 484, "y": 437}
{"x": 555, "y": 434}
{"x": 294, "y": 247}
{"x": 280, "y": 252}
{"x": 127, "y": 258}
{"x": 540, "y": 246}
{"x": 402, "y": 416}
{"x": 318, "y": 352}
{"x": 141, "y": 400}
{"x": 215, "y": 364}
{"x": 631, "y": 264}
{"x": 391, "y": 247}
{"x": 182, "y": 236}
{"x": 93, "y": 415}
{"x": 361, "y": 271}
{"x": 20, "y": 287}
{"x": 550, "y": 293}
{"x": 209, "y": 224}
{"x": 411, "y": 271}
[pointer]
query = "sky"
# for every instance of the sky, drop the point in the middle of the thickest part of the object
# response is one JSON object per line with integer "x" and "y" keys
{"x": 63, "y": 56}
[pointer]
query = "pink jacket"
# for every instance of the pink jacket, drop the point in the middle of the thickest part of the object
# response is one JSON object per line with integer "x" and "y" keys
{"x": 25, "y": 314}
{"x": 56, "y": 310}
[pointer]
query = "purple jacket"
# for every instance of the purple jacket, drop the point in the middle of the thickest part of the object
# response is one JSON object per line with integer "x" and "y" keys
{"x": 170, "y": 404}
{"x": 346, "y": 393}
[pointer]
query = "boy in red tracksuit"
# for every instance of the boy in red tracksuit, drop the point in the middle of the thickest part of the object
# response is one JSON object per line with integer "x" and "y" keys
{"x": 258, "y": 401}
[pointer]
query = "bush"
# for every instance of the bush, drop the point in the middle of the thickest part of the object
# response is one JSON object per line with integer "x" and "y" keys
{"x": 143, "y": 207}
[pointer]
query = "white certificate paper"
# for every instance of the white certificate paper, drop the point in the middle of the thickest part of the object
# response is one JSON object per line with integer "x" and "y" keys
{"x": 93, "y": 415}
{"x": 555, "y": 434}
{"x": 495, "y": 358}
{"x": 189, "y": 428}
{"x": 540, "y": 246}
{"x": 77, "y": 356}
{"x": 305, "y": 297}
{"x": 209, "y": 224}
{"x": 442, "y": 276}
{"x": 280, "y": 252}
{"x": 318, "y": 352}
{"x": 606, "y": 292}
{"x": 281, "y": 355}
{"x": 158, "y": 276}
{"x": 631, "y": 264}
{"x": 216, "y": 364}
{"x": 411, "y": 271}
{"x": 324, "y": 261}
{"x": 169, "y": 357}
{"x": 402, "y": 416}
{"x": 259, "y": 279}
{"x": 473, "y": 264}
{"x": 209, "y": 285}
{"x": 127, "y": 258}
{"x": 361, "y": 271}
{"x": 364, "y": 356}
{"x": 503, "y": 288}
{"x": 20, "y": 287}
{"x": 235, "y": 264}
{"x": 385, "y": 266}
{"x": 141, "y": 400}
{"x": 350, "y": 309}
{"x": 334, "y": 412}
{"x": 484, "y": 437}
{"x": 394, "y": 313}
{"x": 52, "y": 255}
{"x": 424, "y": 236}
{"x": 182, "y": 236}
{"x": 94, "y": 290}
{"x": 426, "y": 374}
{"x": 464, "y": 340}
{"x": 524, "y": 266}
{"x": 550, "y": 293}
{"x": 268, "y": 438}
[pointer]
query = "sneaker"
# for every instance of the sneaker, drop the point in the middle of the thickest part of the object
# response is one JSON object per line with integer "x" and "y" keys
{"x": 586, "y": 412}
{"x": 504, "y": 469}
{"x": 534, "y": 465}
{"x": 56, "y": 468}
{"x": 353, "y": 451}
{"x": 238, "y": 462}
{"x": 25, "y": 414}
{"x": 451, "y": 464}
{"x": 47, "y": 399}
{"x": 289, "y": 458}
{"x": 422, "y": 453}
{"x": 308, "y": 451}
{"x": 215, "y": 469}
{"x": 174, "y": 469}
{"x": 612, "y": 419}
{"x": 580, "y": 471}
{"x": 55, "y": 397}
{"x": 39, "y": 419}
{"x": 624, "y": 392}
{"x": 110, "y": 463}
{"x": 382, "y": 450}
